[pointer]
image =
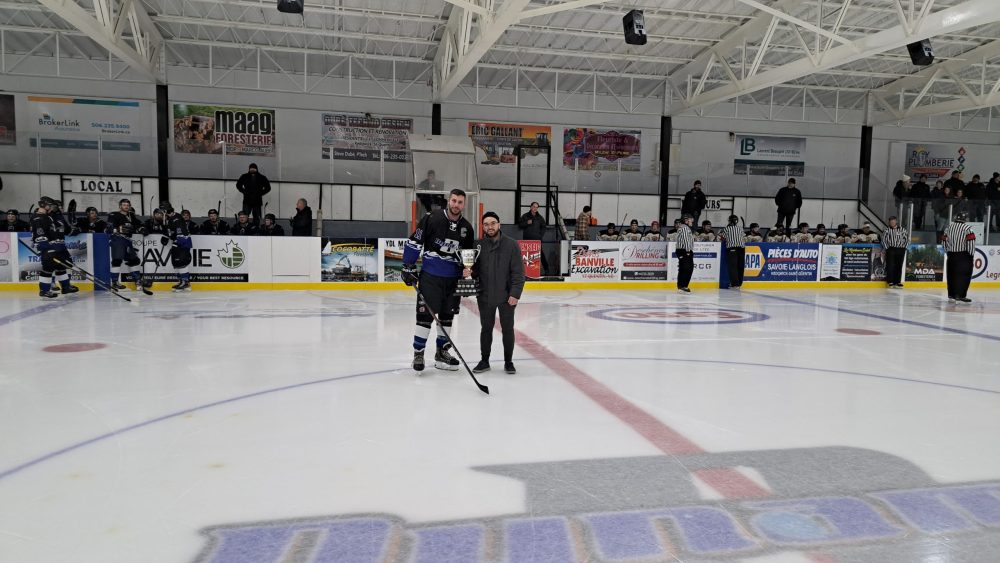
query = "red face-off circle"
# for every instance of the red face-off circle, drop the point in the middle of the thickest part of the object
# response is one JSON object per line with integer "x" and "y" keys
{"x": 75, "y": 347}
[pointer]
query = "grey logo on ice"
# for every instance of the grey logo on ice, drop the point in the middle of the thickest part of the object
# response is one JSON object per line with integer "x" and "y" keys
{"x": 858, "y": 505}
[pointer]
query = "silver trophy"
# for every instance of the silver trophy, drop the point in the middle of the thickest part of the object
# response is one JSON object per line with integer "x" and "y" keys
{"x": 467, "y": 287}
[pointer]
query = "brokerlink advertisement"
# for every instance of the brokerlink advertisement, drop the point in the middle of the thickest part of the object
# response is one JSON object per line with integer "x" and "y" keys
{"x": 213, "y": 259}
{"x": 78, "y": 123}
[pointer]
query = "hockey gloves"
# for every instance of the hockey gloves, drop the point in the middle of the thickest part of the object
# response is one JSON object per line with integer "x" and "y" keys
{"x": 410, "y": 274}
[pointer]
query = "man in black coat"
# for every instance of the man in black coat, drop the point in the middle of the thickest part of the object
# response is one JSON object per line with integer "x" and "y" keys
{"x": 993, "y": 195}
{"x": 501, "y": 279}
{"x": 920, "y": 192}
{"x": 789, "y": 200}
{"x": 533, "y": 226}
{"x": 254, "y": 186}
{"x": 303, "y": 220}
{"x": 694, "y": 201}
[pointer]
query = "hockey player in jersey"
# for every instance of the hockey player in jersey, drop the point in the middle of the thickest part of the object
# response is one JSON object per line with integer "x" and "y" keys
{"x": 633, "y": 233}
{"x": 438, "y": 239}
{"x": 122, "y": 224}
{"x": 48, "y": 232}
{"x": 91, "y": 223}
{"x": 179, "y": 238}
{"x": 156, "y": 225}
{"x": 243, "y": 225}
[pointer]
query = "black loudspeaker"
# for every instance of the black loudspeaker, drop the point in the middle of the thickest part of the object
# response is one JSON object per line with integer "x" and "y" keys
{"x": 635, "y": 28}
{"x": 921, "y": 52}
{"x": 291, "y": 6}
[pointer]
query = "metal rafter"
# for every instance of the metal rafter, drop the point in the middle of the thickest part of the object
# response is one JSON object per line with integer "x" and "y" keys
{"x": 964, "y": 96}
{"x": 106, "y": 26}
{"x": 968, "y": 14}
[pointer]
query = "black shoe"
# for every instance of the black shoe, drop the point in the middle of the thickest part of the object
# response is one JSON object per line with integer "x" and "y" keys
{"x": 70, "y": 289}
{"x": 963, "y": 299}
{"x": 418, "y": 360}
{"x": 509, "y": 367}
{"x": 482, "y": 366}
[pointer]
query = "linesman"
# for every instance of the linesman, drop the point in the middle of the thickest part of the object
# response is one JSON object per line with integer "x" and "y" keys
{"x": 736, "y": 250}
{"x": 960, "y": 243}
{"x": 895, "y": 240}
{"x": 685, "y": 253}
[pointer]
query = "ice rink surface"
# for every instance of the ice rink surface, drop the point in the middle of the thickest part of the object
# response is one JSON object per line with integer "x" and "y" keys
{"x": 852, "y": 426}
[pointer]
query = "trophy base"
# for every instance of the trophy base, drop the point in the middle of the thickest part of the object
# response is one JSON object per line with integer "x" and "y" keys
{"x": 467, "y": 287}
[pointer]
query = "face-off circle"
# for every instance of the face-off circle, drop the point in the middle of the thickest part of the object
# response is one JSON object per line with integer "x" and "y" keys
{"x": 678, "y": 314}
{"x": 74, "y": 347}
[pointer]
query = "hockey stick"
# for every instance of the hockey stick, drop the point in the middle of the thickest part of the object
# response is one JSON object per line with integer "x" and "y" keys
{"x": 76, "y": 268}
{"x": 141, "y": 285}
{"x": 481, "y": 387}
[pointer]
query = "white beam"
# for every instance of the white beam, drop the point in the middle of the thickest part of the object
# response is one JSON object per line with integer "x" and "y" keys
{"x": 561, "y": 7}
{"x": 458, "y": 53}
{"x": 104, "y": 36}
{"x": 968, "y": 14}
{"x": 469, "y": 6}
{"x": 795, "y": 21}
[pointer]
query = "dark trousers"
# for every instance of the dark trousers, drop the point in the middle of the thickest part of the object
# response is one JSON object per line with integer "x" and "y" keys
{"x": 685, "y": 267}
{"x": 786, "y": 219}
{"x": 894, "y": 258}
{"x": 735, "y": 258}
{"x": 959, "y": 273}
{"x": 487, "y": 316}
{"x": 253, "y": 211}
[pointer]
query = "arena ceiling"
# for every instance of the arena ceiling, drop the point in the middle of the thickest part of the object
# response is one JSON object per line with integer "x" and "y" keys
{"x": 831, "y": 54}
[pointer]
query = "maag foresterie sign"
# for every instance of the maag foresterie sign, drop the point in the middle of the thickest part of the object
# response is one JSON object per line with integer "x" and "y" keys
{"x": 213, "y": 259}
{"x": 98, "y": 185}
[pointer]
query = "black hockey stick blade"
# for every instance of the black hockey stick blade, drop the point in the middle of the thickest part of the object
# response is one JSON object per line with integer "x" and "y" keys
{"x": 481, "y": 387}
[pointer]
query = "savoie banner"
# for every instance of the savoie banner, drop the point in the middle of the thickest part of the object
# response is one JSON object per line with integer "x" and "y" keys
{"x": 30, "y": 265}
{"x": 79, "y": 123}
{"x": 213, "y": 258}
{"x": 781, "y": 262}
{"x": 346, "y": 260}
{"x": 770, "y": 156}
{"x": 595, "y": 261}
{"x": 363, "y": 137}
{"x": 204, "y": 129}
{"x": 586, "y": 148}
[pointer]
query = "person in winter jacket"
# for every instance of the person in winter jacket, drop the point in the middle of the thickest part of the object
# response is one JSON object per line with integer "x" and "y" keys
{"x": 303, "y": 220}
{"x": 254, "y": 186}
{"x": 694, "y": 201}
{"x": 789, "y": 200}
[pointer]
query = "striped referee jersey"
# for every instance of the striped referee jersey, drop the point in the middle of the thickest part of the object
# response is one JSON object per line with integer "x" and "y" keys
{"x": 685, "y": 238}
{"x": 958, "y": 237}
{"x": 895, "y": 238}
{"x": 734, "y": 236}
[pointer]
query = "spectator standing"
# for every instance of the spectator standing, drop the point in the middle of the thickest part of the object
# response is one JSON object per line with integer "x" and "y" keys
{"x": 921, "y": 192}
{"x": 789, "y": 201}
{"x": 254, "y": 186}
{"x": 302, "y": 220}
{"x": 694, "y": 201}
{"x": 533, "y": 226}
{"x": 993, "y": 198}
{"x": 955, "y": 182}
{"x": 940, "y": 200}
{"x": 583, "y": 224}
{"x": 976, "y": 192}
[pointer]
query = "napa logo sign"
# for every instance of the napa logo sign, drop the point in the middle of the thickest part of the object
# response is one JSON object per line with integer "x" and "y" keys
{"x": 753, "y": 262}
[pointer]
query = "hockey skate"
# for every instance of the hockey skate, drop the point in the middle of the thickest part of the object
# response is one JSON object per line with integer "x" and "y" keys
{"x": 69, "y": 289}
{"x": 117, "y": 286}
{"x": 444, "y": 360}
{"x": 48, "y": 294}
{"x": 418, "y": 361}
{"x": 181, "y": 286}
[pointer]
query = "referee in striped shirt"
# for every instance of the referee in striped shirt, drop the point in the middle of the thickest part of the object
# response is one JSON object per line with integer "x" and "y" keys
{"x": 895, "y": 240}
{"x": 736, "y": 250}
{"x": 685, "y": 253}
{"x": 960, "y": 243}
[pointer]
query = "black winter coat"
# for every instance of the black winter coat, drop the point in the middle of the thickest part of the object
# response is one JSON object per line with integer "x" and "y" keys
{"x": 302, "y": 222}
{"x": 253, "y": 187}
{"x": 788, "y": 199}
